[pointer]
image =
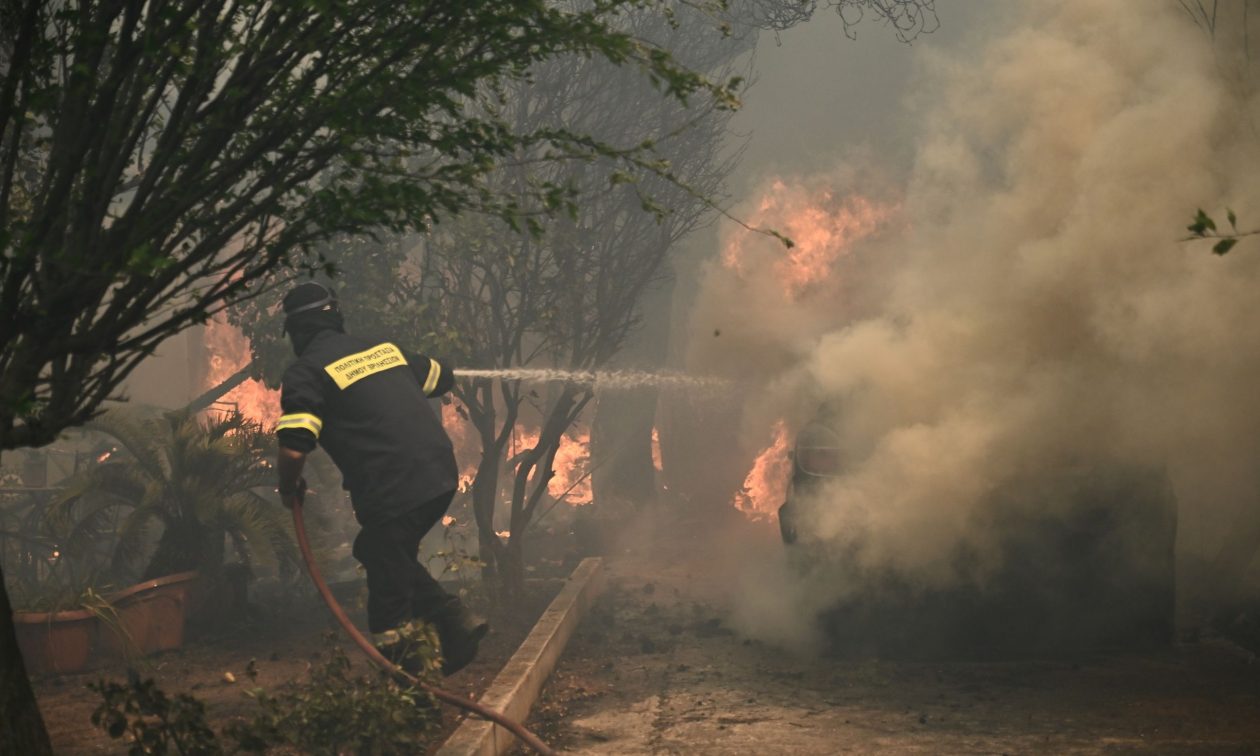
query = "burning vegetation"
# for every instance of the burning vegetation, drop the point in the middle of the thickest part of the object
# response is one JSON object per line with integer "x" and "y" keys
{"x": 824, "y": 225}
{"x": 228, "y": 352}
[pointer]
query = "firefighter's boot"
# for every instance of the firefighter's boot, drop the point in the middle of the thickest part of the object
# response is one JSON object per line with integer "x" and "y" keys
{"x": 460, "y": 631}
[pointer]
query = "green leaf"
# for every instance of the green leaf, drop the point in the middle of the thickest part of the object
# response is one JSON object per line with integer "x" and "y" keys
{"x": 1224, "y": 245}
{"x": 1202, "y": 222}
{"x": 1207, "y": 221}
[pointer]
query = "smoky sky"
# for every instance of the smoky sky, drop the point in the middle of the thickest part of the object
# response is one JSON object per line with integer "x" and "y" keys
{"x": 817, "y": 94}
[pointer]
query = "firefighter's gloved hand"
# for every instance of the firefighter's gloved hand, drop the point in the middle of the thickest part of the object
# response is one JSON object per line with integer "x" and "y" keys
{"x": 296, "y": 495}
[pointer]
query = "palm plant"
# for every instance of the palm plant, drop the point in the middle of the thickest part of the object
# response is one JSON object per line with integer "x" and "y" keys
{"x": 196, "y": 479}
{"x": 26, "y": 553}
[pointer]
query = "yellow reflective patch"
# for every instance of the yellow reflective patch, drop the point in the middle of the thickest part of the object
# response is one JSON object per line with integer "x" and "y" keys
{"x": 347, "y": 370}
{"x": 435, "y": 372}
{"x": 301, "y": 420}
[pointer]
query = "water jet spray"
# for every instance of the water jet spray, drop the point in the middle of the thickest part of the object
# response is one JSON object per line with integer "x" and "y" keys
{"x": 606, "y": 380}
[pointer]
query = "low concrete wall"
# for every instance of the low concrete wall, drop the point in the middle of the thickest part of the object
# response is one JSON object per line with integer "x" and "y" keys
{"x": 520, "y": 682}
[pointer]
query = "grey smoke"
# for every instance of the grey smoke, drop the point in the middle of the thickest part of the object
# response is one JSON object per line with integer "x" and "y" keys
{"x": 1038, "y": 307}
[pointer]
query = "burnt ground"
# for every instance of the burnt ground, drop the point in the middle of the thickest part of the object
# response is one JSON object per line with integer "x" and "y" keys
{"x": 284, "y": 642}
{"x": 657, "y": 669}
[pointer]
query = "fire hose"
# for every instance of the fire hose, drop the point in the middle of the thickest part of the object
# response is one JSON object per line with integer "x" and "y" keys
{"x": 516, "y": 728}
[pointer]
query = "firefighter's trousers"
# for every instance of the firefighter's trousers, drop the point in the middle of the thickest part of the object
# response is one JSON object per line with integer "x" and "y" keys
{"x": 399, "y": 587}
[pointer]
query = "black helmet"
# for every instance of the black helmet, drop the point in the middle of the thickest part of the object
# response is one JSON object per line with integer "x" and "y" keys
{"x": 309, "y": 297}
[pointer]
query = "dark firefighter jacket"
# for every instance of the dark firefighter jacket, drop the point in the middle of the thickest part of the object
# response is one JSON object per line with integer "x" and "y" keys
{"x": 365, "y": 402}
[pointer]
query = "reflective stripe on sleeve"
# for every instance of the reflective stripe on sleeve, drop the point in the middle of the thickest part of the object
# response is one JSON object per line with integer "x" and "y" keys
{"x": 303, "y": 420}
{"x": 435, "y": 372}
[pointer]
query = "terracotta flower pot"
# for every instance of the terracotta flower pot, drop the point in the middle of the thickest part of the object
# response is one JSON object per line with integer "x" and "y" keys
{"x": 151, "y": 614}
{"x": 58, "y": 642}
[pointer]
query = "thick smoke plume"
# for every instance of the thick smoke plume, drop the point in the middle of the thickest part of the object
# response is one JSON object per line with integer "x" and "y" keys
{"x": 1035, "y": 306}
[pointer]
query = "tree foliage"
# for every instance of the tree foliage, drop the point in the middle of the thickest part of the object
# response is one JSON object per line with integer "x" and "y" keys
{"x": 907, "y": 18}
{"x": 570, "y": 297}
{"x": 158, "y": 159}
{"x": 1203, "y": 226}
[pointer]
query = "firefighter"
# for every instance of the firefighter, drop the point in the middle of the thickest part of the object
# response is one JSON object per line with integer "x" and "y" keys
{"x": 366, "y": 402}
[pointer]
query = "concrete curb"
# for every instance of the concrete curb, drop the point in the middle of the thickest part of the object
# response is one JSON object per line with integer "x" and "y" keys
{"x": 519, "y": 684}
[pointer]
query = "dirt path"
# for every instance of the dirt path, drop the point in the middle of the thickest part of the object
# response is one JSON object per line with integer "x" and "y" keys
{"x": 657, "y": 670}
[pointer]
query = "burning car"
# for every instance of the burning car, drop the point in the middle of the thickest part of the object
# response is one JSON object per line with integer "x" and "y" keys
{"x": 1085, "y": 563}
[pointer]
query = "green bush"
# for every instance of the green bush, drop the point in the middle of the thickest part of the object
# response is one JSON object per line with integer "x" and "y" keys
{"x": 334, "y": 711}
{"x": 338, "y": 712}
{"x": 154, "y": 723}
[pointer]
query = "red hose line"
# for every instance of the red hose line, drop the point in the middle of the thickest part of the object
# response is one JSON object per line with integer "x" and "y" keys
{"x": 516, "y": 728}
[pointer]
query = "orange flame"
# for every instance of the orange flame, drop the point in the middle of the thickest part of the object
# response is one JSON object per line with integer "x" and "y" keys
{"x": 229, "y": 352}
{"x": 765, "y": 488}
{"x": 467, "y": 449}
{"x": 822, "y": 225}
{"x": 572, "y": 464}
{"x": 573, "y": 467}
{"x": 656, "y": 451}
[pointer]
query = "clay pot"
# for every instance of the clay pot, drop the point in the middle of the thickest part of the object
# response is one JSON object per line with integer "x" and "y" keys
{"x": 151, "y": 613}
{"x": 59, "y": 642}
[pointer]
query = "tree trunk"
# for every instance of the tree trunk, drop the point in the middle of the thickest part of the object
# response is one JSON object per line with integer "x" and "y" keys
{"x": 182, "y": 547}
{"x": 621, "y": 447}
{"x": 485, "y": 486}
{"x": 485, "y": 490}
{"x": 21, "y": 726}
{"x": 621, "y": 433}
{"x": 534, "y": 470}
